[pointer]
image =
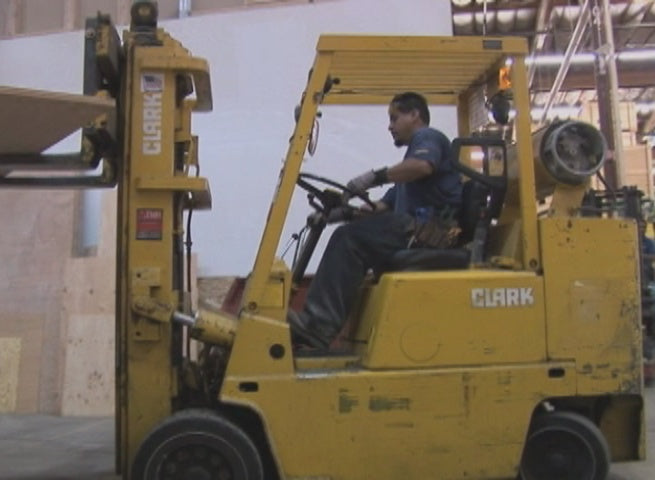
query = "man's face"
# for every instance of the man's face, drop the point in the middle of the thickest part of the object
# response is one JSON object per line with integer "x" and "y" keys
{"x": 402, "y": 125}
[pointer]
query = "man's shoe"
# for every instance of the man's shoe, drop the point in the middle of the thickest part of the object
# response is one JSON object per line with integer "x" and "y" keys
{"x": 301, "y": 335}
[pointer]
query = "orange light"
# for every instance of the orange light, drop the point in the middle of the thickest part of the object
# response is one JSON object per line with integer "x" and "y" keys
{"x": 504, "y": 78}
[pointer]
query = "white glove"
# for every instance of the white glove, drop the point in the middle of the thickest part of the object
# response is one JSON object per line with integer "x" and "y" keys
{"x": 367, "y": 180}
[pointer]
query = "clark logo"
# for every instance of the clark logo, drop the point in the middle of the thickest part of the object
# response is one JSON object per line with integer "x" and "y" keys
{"x": 502, "y": 297}
{"x": 151, "y": 123}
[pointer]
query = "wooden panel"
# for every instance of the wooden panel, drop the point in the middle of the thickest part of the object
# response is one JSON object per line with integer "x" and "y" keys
{"x": 637, "y": 168}
{"x": 10, "y": 18}
{"x": 43, "y": 15}
{"x": 71, "y": 17}
{"x": 88, "y": 384}
{"x": 169, "y": 8}
{"x": 33, "y": 120}
{"x": 90, "y": 8}
{"x": 22, "y": 363}
{"x": 212, "y": 5}
{"x": 9, "y": 365}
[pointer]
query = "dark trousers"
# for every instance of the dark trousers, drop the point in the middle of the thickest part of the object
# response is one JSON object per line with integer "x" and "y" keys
{"x": 353, "y": 249}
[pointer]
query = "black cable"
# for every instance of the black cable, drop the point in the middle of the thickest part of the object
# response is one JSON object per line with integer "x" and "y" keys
{"x": 187, "y": 244}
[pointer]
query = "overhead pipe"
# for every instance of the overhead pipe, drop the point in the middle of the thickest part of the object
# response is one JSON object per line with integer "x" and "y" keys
{"x": 538, "y": 41}
{"x": 574, "y": 43}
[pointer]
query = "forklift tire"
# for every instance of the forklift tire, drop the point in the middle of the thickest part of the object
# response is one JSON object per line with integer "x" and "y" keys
{"x": 565, "y": 446}
{"x": 197, "y": 445}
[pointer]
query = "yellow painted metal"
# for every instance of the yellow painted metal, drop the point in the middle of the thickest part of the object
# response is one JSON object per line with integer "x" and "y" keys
{"x": 590, "y": 304}
{"x": 530, "y": 248}
{"x": 216, "y": 328}
{"x": 566, "y": 200}
{"x": 357, "y": 424}
{"x": 149, "y": 257}
{"x": 439, "y": 67}
{"x": 475, "y": 352}
{"x": 312, "y": 98}
{"x": 367, "y": 69}
{"x": 429, "y": 319}
{"x": 348, "y": 98}
{"x": 253, "y": 353}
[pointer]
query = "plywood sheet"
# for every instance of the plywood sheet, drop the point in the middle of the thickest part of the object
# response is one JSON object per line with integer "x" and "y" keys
{"x": 33, "y": 120}
{"x": 88, "y": 386}
{"x": 9, "y": 364}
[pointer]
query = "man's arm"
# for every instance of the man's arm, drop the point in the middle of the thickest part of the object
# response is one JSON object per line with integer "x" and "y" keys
{"x": 409, "y": 170}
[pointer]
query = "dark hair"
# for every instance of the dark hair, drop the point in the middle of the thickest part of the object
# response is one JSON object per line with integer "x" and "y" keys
{"x": 408, "y": 101}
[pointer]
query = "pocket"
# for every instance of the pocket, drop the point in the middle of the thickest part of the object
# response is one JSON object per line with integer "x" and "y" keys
{"x": 435, "y": 233}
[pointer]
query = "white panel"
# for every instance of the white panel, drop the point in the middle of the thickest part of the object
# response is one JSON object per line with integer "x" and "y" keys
{"x": 259, "y": 59}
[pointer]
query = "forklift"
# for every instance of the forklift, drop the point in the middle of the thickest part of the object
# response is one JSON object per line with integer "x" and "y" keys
{"x": 516, "y": 354}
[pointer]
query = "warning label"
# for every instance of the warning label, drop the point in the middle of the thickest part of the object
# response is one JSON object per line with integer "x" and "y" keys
{"x": 149, "y": 223}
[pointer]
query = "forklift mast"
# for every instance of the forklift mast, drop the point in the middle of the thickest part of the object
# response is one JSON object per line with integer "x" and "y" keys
{"x": 158, "y": 181}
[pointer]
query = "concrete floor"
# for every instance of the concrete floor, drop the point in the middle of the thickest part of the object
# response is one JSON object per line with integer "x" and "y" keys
{"x": 42, "y": 447}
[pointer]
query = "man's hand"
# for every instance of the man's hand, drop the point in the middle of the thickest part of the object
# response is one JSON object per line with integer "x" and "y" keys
{"x": 361, "y": 183}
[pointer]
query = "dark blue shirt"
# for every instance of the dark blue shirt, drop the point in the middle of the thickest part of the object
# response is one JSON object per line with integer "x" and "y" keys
{"x": 440, "y": 189}
{"x": 648, "y": 245}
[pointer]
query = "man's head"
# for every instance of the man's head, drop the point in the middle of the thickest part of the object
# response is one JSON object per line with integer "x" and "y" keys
{"x": 407, "y": 113}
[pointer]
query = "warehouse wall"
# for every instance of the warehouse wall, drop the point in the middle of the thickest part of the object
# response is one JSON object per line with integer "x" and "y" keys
{"x": 56, "y": 304}
{"x": 260, "y": 59}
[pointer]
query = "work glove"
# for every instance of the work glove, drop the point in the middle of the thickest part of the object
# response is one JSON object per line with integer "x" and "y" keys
{"x": 361, "y": 183}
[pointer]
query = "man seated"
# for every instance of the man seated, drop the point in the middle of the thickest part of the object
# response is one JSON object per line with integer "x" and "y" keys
{"x": 424, "y": 184}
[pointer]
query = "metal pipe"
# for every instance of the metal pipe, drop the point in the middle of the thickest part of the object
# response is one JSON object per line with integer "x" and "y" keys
{"x": 610, "y": 65}
{"x": 566, "y": 62}
{"x": 184, "y": 319}
{"x": 538, "y": 41}
{"x": 184, "y": 8}
{"x": 211, "y": 327}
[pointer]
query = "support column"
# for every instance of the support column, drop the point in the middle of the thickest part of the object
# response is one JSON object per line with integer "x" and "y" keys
{"x": 13, "y": 23}
{"x": 607, "y": 92}
{"x": 123, "y": 12}
{"x": 71, "y": 15}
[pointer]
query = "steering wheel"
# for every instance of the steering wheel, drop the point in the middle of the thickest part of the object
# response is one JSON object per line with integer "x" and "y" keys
{"x": 330, "y": 199}
{"x": 327, "y": 198}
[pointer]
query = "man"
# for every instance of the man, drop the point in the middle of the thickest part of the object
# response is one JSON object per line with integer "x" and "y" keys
{"x": 423, "y": 181}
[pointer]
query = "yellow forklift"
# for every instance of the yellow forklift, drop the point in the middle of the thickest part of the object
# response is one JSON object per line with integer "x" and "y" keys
{"x": 516, "y": 354}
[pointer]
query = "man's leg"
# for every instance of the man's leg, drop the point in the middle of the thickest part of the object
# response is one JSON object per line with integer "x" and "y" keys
{"x": 352, "y": 250}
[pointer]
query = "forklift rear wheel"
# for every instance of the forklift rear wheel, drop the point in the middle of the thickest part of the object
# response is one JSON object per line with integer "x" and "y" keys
{"x": 566, "y": 446}
{"x": 197, "y": 445}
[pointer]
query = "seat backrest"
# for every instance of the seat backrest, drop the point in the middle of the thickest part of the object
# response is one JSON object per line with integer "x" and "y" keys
{"x": 475, "y": 198}
{"x": 480, "y": 205}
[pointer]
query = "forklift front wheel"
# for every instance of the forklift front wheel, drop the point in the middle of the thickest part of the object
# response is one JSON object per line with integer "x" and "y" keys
{"x": 199, "y": 445}
{"x": 566, "y": 446}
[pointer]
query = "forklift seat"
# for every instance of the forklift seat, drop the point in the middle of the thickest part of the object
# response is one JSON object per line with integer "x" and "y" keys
{"x": 479, "y": 206}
